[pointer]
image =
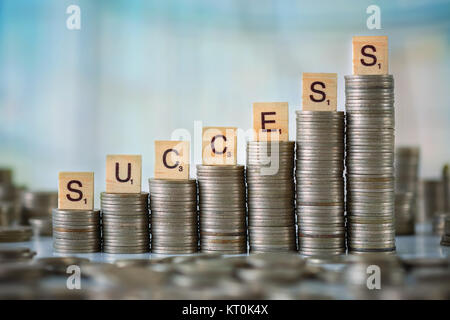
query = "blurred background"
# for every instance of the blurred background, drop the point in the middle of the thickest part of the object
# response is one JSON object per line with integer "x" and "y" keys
{"x": 138, "y": 70}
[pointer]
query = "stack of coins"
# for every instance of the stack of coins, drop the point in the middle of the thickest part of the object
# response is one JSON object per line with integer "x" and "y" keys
{"x": 7, "y": 213}
{"x": 41, "y": 226}
{"x": 223, "y": 209}
{"x": 174, "y": 218}
{"x": 407, "y": 175}
{"x": 433, "y": 198}
{"x": 271, "y": 196}
{"x": 320, "y": 182}
{"x": 6, "y": 185}
{"x": 125, "y": 222}
{"x": 446, "y": 236}
{"x": 439, "y": 222}
{"x": 5, "y": 176}
{"x": 370, "y": 162}
{"x": 404, "y": 220}
{"x": 76, "y": 231}
{"x": 16, "y": 254}
{"x": 38, "y": 204}
{"x": 15, "y": 234}
{"x": 446, "y": 186}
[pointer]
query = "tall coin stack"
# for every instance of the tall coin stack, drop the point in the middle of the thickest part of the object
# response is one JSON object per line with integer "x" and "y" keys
{"x": 445, "y": 241}
{"x": 320, "y": 182}
{"x": 174, "y": 219}
{"x": 370, "y": 162}
{"x": 38, "y": 204}
{"x": 125, "y": 222}
{"x": 404, "y": 221}
{"x": 407, "y": 181}
{"x": 76, "y": 231}
{"x": 433, "y": 198}
{"x": 438, "y": 223}
{"x": 222, "y": 203}
{"x": 446, "y": 186}
{"x": 6, "y": 185}
{"x": 271, "y": 196}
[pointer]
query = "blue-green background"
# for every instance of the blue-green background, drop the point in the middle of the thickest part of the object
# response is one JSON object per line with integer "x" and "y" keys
{"x": 137, "y": 70}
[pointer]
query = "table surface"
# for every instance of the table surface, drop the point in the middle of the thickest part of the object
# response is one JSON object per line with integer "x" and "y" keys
{"x": 420, "y": 245}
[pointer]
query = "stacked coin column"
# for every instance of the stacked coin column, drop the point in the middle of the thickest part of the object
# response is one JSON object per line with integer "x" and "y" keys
{"x": 125, "y": 222}
{"x": 406, "y": 187}
{"x": 370, "y": 162}
{"x": 76, "y": 231}
{"x": 320, "y": 182}
{"x": 174, "y": 219}
{"x": 222, "y": 204}
{"x": 445, "y": 240}
{"x": 38, "y": 204}
{"x": 404, "y": 221}
{"x": 271, "y": 196}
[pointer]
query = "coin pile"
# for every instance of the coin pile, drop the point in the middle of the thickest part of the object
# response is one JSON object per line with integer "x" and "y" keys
{"x": 271, "y": 196}
{"x": 446, "y": 236}
{"x": 223, "y": 209}
{"x": 76, "y": 231}
{"x": 38, "y": 204}
{"x": 404, "y": 220}
{"x": 358, "y": 267}
{"x": 41, "y": 226}
{"x": 433, "y": 197}
{"x": 320, "y": 182}
{"x": 7, "y": 213}
{"x": 6, "y": 186}
{"x": 15, "y": 254}
{"x": 174, "y": 218}
{"x": 439, "y": 222}
{"x": 125, "y": 222}
{"x": 446, "y": 186}
{"x": 407, "y": 175}
{"x": 370, "y": 142}
{"x": 15, "y": 234}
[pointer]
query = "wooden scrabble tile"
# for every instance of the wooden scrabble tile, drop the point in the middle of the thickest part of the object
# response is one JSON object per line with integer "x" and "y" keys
{"x": 76, "y": 190}
{"x": 123, "y": 173}
{"x": 172, "y": 159}
{"x": 219, "y": 146}
{"x": 319, "y": 91}
{"x": 370, "y": 55}
{"x": 271, "y": 121}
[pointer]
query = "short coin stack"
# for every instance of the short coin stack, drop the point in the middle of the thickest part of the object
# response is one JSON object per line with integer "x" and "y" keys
{"x": 404, "y": 221}
{"x": 222, "y": 209}
{"x": 271, "y": 196}
{"x": 125, "y": 222}
{"x": 439, "y": 222}
{"x": 15, "y": 234}
{"x": 446, "y": 186}
{"x": 370, "y": 162}
{"x": 38, "y": 204}
{"x": 407, "y": 176}
{"x": 174, "y": 218}
{"x": 320, "y": 182}
{"x": 41, "y": 226}
{"x": 433, "y": 198}
{"x": 446, "y": 236}
{"x": 7, "y": 213}
{"x": 76, "y": 231}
